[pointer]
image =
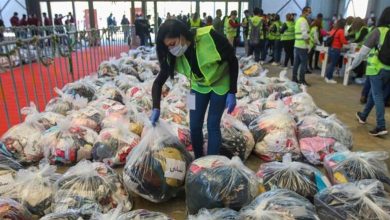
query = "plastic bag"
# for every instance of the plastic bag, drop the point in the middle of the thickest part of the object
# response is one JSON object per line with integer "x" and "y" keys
{"x": 113, "y": 145}
{"x": 275, "y": 135}
{"x": 67, "y": 215}
{"x": 88, "y": 187}
{"x": 89, "y": 117}
{"x": 140, "y": 96}
{"x": 156, "y": 167}
{"x": 279, "y": 204}
{"x": 183, "y": 133}
{"x": 139, "y": 214}
{"x": 65, "y": 103}
{"x": 301, "y": 104}
{"x": 215, "y": 214}
{"x": 108, "y": 69}
{"x": 237, "y": 140}
{"x": 330, "y": 127}
{"x": 8, "y": 169}
{"x": 295, "y": 176}
{"x": 110, "y": 91}
{"x": 125, "y": 82}
{"x": 10, "y": 209}
{"x": 343, "y": 167}
{"x": 68, "y": 144}
{"x": 216, "y": 181}
{"x": 84, "y": 88}
{"x": 246, "y": 112}
{"x": 46, "y": 119}
{"x": 365, "y": 199}
{"x": 314, "y": 149}
{"x": 33, "y": 188}
{"x": 20, "y": 142}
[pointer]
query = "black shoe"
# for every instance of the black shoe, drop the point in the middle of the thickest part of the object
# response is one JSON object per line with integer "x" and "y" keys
{"x": 308, "y": 72}
{"x": 378, "y": 132}
{"x": 317, "y": 68}
{"x": 295, "y": 80}
{"x": 304, "y": 83}
{"x": 360, "y": 118}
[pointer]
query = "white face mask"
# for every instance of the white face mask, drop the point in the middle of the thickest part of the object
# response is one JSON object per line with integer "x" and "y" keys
{"x": 179, "y": 49}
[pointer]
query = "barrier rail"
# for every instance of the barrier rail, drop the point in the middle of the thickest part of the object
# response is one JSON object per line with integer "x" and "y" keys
{"x": 30, "y": 68}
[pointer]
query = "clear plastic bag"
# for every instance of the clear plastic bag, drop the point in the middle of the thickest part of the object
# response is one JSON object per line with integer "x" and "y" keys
{"x": 46, "y": 119}
{"x": 156, "y": 167}
{"x": 139, "y": 214}
{"x": 301, "y": 104}
{"x": 10, "y": 209}
{"x": 301, "y": 178}
{"x": 329, "y": 127}
{"x": 365, "y": 199}
{"x": 215, "y": 214}
{"x": 20, "y": 142}
{"x": 114, "y": 144}
{"x": 33, "y": 188}
{"x": 8, "y": 169}
{"x": 67, "y": 215}
{"x": 84, "y": 88}
{"x": 88, "y": 187}
{"x": 343, "y": 167}
{"x": 183, "y": 133}
{"x": 216, "y": 181}
{"x": 65, "y": 103}
{"x": 108, "y": 69}
{"x": 275, "y": 135}
{"x": 237, "y": 140}
{"x": 68, "y": 144}
{"x": 279, "y": 204}
{"x": 125, "y": 82}
{"x": 110, "y": 91}
{"x": 246, "y": 112}
{"x": 89, "y": 117}
{"x": 140, "y": 96}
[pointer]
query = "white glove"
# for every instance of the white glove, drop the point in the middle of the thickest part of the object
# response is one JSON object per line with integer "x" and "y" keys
{"x": 363, "y": 53}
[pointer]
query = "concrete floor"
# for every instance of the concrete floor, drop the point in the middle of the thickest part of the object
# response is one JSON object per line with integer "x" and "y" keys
{"x": 338, "y": 99}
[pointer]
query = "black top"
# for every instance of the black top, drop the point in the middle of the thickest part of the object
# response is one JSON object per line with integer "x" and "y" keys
{"x": 224, "y": 49}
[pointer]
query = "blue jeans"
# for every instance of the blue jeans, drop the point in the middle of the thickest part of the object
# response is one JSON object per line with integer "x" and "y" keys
{"x": 334, "y": 56}
{"x": 376, "y": 97}
{"x": 300, "y": 59}
{"x": 367, "y": 88}
{"x": 254, "y": 48}
{"x": 216, "y": 108}
{"x": 264, "y": 49}
{"x": 277, "y": 50}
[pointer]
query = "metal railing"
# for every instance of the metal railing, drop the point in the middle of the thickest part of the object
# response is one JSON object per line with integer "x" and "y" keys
{"x": 31, "y": 67}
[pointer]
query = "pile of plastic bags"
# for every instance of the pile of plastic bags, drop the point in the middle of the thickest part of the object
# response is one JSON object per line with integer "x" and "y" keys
{"x": 139, "y": 214}
{"x": 156, "y": 167}
{"x": 215, "y": 214}
{"x": 216, "y": 181}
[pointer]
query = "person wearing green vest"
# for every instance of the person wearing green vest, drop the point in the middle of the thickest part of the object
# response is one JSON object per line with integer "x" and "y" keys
{"x": 377, "y": 73}
{"x": 231, "y": 26}
{"x": 208, "y": 61}
{"x": 245, "y": 29}
{"x": 195, "y": 21}
{"x": 288, "y": 39}
{"x": 276, "y": 35}
{"x": 314, "y": 34}
{"x": 301, "y": 47}
{"x": 256, "y": 34}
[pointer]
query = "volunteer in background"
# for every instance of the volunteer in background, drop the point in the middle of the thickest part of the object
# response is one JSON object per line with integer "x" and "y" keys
{"x": 314, "y": 40}
{"x": 256, "y": 34}
{"x": 377, "y": 73}
{"x": 195, "y": 21}
{"x": 212, "y": 68}
{"x": 231, "y": 26}
{"x": 301, "y": 46}
{"x": 276, "y": 35}
{"x": 335, "y": 50}
{"x": 245, "y": 29}
{"x": 218, "y": 23}
{"x": 288, "y": 39}
{"x": 357, "y": 34}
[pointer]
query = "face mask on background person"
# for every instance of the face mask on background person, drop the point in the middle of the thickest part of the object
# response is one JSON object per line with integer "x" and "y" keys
{"x": 179, "y": 49}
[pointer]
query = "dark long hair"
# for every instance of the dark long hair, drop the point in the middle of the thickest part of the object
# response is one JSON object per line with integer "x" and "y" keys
{"x": 384, "y": 20}
{"x": 171, "y": 28}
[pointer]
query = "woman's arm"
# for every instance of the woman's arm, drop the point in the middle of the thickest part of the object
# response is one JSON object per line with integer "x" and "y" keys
{"x": 157, "y": 87}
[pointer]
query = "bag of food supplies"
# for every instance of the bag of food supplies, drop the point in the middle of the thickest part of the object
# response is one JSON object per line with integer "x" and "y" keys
{"x": 108, "y": 68}
{"x": 344, "y": 167}
{"x": 65, "y": 103}
{"x": 88, "y": 187}
{"x": 66, "y": 215}
{"x": 156, "y": 167}
{"x": 217, "y": 182}
{"x": 46, "y": 119}
{"x": 139, "y": 214}
{"x": 364, "y": 199}
{"x": 10, "y": 210}
{"x": 215, "y": 214}
{"x": 83, "y": 88}
{"x": 279, "y": 204}
{"x": 67, "y": 144}
{"x": 89, "y": 117}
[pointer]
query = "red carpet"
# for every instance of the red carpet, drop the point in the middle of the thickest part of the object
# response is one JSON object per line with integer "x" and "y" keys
{"x": 39, "y": 87}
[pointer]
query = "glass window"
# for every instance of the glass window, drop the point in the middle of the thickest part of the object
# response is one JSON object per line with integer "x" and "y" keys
{"x": 232, "y": 6}
{"x": 356, "y": 8}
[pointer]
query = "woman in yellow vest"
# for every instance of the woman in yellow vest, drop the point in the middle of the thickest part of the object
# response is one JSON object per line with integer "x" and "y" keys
{"x": 377, "y": 73}
{"x": 208, "y": 60}
{"x": 314, "y": 41}
{"x": 195, "y": 21}
{"x": 231, "y": 26}
{"x": 288, "y": 39}
{"x": 276, "y": 36}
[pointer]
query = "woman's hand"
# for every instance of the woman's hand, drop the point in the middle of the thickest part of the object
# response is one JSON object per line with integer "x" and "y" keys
{"x": 230, "y": 102}
{"x": 155, "y": 116}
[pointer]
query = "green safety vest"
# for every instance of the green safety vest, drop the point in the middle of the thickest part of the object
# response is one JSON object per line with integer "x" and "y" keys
{"x": 195, "y": 24}
{"x": 215, "y": 73}
{"x": 275, "y": 35}
{"x": 289, "y": 33}
{"x": 357, "y": 35}
{"x": 374, "y": 65}
{"x": 229, "y": 30}
{"x": 299, "y": 41}
{"x": 312, "y": 43}
{"x": 256, "y": 20}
